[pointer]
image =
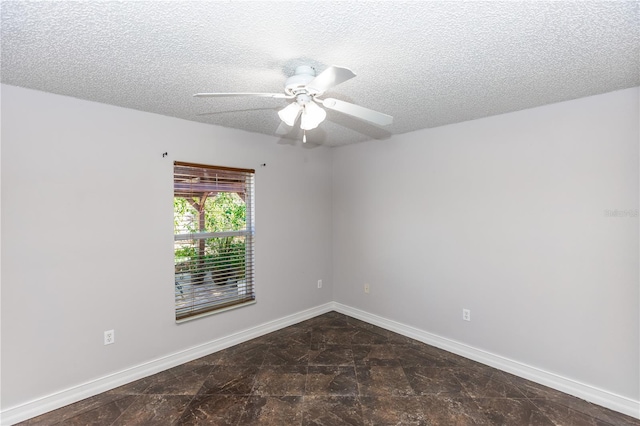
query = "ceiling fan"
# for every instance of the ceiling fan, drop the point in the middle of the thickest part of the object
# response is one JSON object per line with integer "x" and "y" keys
{"x": 305, "y": 87}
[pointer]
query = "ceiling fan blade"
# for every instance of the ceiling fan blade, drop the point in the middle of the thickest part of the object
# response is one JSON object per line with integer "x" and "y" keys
{"x": 260, "y": 95}
{"x": 357, "y": 111}
{"x": 329, "y": 78}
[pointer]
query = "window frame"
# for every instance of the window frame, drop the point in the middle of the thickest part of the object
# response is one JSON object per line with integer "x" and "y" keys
{"x": 216, "y": 179}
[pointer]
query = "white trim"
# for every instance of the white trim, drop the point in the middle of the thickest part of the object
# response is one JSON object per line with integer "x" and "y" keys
{"x": 581, "y": 390}
{"x": 217, "y": 311}
{"x": 68, "y": 396}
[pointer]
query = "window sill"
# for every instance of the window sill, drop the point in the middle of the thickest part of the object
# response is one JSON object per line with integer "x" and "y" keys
{"x": 217, "y": 311}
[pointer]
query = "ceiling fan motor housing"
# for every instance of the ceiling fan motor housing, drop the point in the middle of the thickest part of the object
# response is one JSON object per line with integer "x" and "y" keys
{"x": 297, "y": 83}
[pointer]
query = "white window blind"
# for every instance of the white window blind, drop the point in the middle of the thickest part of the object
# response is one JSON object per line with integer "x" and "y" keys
{"x": 213, "y": 238}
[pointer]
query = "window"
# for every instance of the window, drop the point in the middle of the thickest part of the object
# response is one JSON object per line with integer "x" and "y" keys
{"x": 213, "y": 238}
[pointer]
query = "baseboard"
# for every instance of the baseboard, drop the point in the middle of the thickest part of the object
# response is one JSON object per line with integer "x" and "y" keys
{"x": 589, "y": 393}
{"x": 57, "y": 400}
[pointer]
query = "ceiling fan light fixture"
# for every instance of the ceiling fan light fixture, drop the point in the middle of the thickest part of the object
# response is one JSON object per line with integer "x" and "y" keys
{"x": 312, "y": 116}
{"x": 289, "y": 114}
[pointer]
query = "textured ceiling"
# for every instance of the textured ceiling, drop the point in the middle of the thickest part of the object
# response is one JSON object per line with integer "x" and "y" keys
{"x": 426, "y": 63}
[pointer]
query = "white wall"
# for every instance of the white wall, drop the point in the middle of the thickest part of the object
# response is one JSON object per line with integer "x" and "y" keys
{"x": 504, "y": 216}
{"x": 87, "y": 240}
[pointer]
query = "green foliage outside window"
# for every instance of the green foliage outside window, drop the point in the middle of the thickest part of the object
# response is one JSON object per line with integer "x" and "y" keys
{"x": 225, "y": 255}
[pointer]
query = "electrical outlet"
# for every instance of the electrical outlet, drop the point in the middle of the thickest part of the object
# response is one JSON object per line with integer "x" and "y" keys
{"x": 319, "y": 283}
{"x": 466, "y": 314}
{"x": 109, "y": 337}
{"x": 366, "y": 288}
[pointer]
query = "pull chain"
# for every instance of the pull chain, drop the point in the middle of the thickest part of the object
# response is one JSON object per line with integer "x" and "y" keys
{"x": 304, "y": 136}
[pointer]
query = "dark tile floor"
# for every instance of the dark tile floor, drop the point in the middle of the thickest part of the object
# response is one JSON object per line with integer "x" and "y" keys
{"x": 333, "y": 370}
